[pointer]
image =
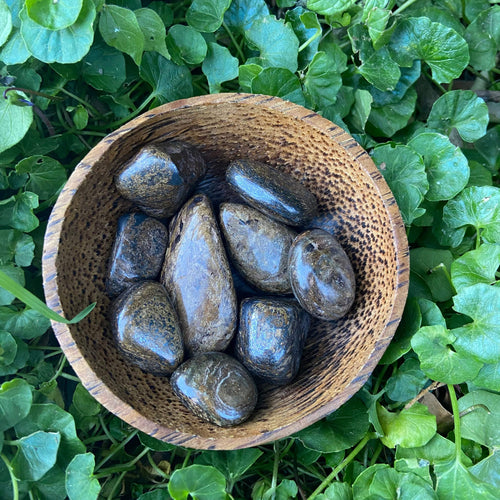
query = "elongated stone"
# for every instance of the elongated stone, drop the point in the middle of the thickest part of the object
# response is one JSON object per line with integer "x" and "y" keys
{"x": 272, "y": 191}
{"x": 321, "y": 275}
{"x": 160, "y": 177}
{"x": 271, "y": 335}
{"x": 198, "y": 279}
{"x": 216, "y": 388}
{"x": 138, "y": 252}
{"x": 258, "y": 246}
{"x": 146, "y": 328}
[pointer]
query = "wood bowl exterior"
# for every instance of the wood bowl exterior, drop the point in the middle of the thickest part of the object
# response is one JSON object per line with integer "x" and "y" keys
{"x": 353, "y": 196}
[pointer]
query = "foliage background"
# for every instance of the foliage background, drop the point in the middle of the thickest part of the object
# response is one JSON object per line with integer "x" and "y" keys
{"x": 417, "y": 84}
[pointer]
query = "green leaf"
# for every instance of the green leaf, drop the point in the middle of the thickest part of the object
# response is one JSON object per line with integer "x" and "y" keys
{"x": 207, "y": 15}
{"x": 14, "y": 50}
{"x": 442, "y": 48}
{"x": 477, "y": 206}
{"x": 104, "y": 67}
{"x": 120, "y": 29}
{"x": 482, "y": 423}
{"x": 278, "y": 82}
{"x": 46, "y": 175}
{"x": 360, "y": 110}
{"x": 164, "y": 10}
{"x": 329, "y": 7}
{"x": 460, "y": 109}
{"x": 16, "y": 246}
{"x": 169, "y": 81}
{"x": 36, "y": 455}
{"x": 339, "y": 431}
{"x": 480, "y": 338}
{"x": 15, "y": 274}
{"x": 246, "y": 73}
{"x": 200, "y": 481}
{"x": 404, "y": 171}
{"x": 476, "y": 266}
{"x": 51, "y": 485}
{"x": 24, "y": 324}
{"x": 15, "y": 402}
{"x": 54, "y": 15}
{"x": 381, "y": 70}
{"x": 277, "y": 43}
{"x": 80, "y": 118}
{"x": 489, "y": 377}
{"x": 307, "y": 27}
{"x": 17, "y": 212}
{"x": 431, "y": 314}
{"x": 153, "y": 29}
{"x": 488, "y": 469}
{"x": 155, "y": 444}
{"x": 185, "y": 44}
{"x": 243, "y": 13}
{"x": 336, "y": 491}
{"x": 323, "y": 81}
{"x": 14, "y": 120}
{"x": 219, "y": 66}
{"x": 64, "y": 46}
{"x": 286, "y": 490}
{"x": 433, "y": 267}
{"x": 377, "y": 22}
{"x": 439, "y": 360}
{"x": 483, "y": 38}
{"x": 84, "y": 402}
{"x": 8, "y": 348}
{"x": 409, "y": 428}
{"x": 455, "y": 481}
{"x": 446, "y": 166}
{"x": 80, "y": 481}
{"x": 407, "y": 382}
{"x": 5, "y": 21}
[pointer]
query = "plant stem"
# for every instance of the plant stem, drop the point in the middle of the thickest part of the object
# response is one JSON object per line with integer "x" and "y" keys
{"x": 118, "y": 448}
{"x": 13, "y": 478}
{"x": 456, "y": 422}
{"x": 274, "y": 480}
{"x": 59, "y": 370}
{"x": 156, "y": 468}
{"x": 235, "y": 43}
{"x": 404, "y": 6}
{"x": 81, "y": 101}
{"x": 115, "y": 486}
{"x": 347, "y": 460}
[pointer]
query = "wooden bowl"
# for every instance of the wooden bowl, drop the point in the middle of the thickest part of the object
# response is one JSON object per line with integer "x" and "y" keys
{"x": 352, "y": 194}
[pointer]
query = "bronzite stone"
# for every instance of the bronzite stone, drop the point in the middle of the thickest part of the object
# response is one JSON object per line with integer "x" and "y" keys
{"x": 272, "y": 191}
{"x": 198, "y": 279}
{"x": 216, "y": 388}
{"x": 258, "y": 246}
{"x": 138, "y": 252}
{"x": 146, "y": 328}
{"x": 321, "y": 275}
{"x": 161, "y": 176}
{"x": 270, "y": 338}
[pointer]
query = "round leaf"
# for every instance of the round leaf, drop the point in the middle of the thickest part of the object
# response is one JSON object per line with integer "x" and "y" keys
{"x": 54, "y": 15}
{"x": 15, "y": 120}
{"x": 80, "y": 482}
{"x": 14, "y": 50}
{"x": 8, "y": 348}
{"x": 185, "y": 44}
{"x": 24, "y": 324}
{"x": 460, "y": 109}
{"x": 483, "y": 37}
{"x": 207, "y": 15}
{"x": 5, "y": 22}
{"x": 278, "y": 82}
{"x": 243, "y": 13}
{"x": 200, "y": 481}
{"x": 153, "y": 30}
{"x": 327, "y": 7}
{"x": 15, "y": 402}
{"x": 219, "y": 66}
{"x": 64, "y": 46}
{"x": 489, "y": 377}
{"x": 16, "y": 274}
{"x": 407, "y": 382}
{"x": 446, "y": 166}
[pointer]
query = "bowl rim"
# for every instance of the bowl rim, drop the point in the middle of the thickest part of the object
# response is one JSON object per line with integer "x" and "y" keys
{"x": 84, "y": 371}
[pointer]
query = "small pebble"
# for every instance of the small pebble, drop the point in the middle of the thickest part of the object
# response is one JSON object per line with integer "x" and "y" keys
{"x": 321, "y": 275}
{"x": 216, "y": 388}
{"x": 146, "y": 328}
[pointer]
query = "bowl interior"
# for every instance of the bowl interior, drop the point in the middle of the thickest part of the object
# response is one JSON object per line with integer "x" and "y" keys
{"x": 353, "y": 199}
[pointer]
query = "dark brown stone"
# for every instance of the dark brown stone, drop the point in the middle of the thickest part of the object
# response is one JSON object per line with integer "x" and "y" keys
{"x": 160, "y": 177}
{"x": 258, "y": 246}
{"x": 216, "y": 388}
{"x": 321, "y": 275}
{"x": 146, "y": 328}
{"x": 272, "y": 191}
{"x": 271, "y": 335}
{"x": 198, "y": 279}
{"x": 138, "y": 252}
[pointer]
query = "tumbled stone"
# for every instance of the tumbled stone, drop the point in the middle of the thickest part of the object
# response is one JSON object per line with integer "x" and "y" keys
{"x": 146, "y": 328}
{"x": 216, "y": 388}
{"x": 272, "y": 191}
{"x": 258, "y": 246}
{"x": 321, "y": 275}
{"x": 160, "y": 177}
{"x": 138, "y": 252}
{"x": 198, "y": 279}
{"x": 270, "y": 338}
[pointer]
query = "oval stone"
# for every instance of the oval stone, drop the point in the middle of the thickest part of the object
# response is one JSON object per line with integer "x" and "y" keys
{"x": 138, "y": 252}
{"x": 198, "y": 279}
{"x": 146, "y": 328}
{"x": 272, "y": 191}
{"x": 270, "y": 338}
{"x": 258, "y": 246}
{"x": 216, "y": 388}
{"x": 160, "y": 177}
{"x": 321, "y": 275}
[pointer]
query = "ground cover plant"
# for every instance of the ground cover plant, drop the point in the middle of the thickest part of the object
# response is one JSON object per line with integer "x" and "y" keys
{"x": 417, "y": 84}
